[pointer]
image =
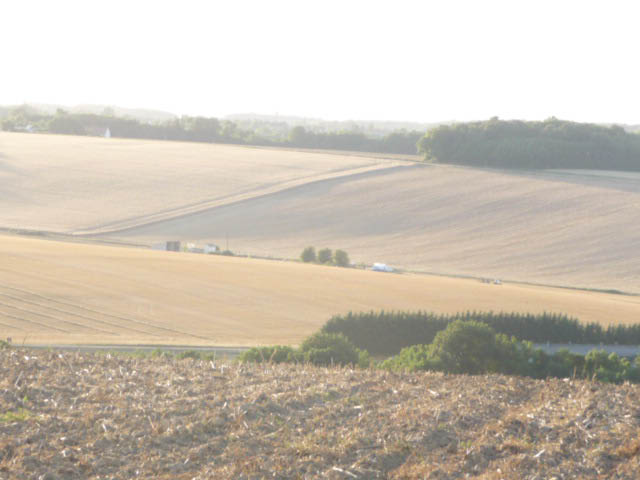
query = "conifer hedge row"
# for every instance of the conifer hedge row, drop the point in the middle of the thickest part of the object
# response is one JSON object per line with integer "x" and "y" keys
{"x": 386, "y": 333}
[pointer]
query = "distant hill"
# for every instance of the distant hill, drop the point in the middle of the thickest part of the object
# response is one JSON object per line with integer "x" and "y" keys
{"x": 369, "y": 127}
{"x": 141, "y": 114}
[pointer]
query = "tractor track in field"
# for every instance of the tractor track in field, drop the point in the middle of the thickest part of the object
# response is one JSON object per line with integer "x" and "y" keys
{"x": 40, "y": 324}
{"x": 66, "y": 312}
{"x": 57, "y": 319}
{"x": 249, "y": 194}
{"x": 114, "y": 316}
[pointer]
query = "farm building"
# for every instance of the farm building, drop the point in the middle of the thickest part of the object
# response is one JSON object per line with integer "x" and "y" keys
{"x": 211, "y": 248}
{"x": 170, "y": 246}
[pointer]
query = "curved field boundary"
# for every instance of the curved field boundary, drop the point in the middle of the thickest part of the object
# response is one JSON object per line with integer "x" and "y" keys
{"x": 186, "y": 210}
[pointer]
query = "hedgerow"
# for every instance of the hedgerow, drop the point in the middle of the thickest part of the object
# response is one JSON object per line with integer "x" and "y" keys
{"x": 319, "y": 349}
{"x": 386, "y": 333}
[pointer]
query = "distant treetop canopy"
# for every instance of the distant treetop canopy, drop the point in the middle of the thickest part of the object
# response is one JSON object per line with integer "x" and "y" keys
{"x": 552, "y": 143}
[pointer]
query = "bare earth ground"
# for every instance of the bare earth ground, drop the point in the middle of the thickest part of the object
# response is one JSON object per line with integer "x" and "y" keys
{"x": 83, "y": 416}
{"x": 68, "y": 293}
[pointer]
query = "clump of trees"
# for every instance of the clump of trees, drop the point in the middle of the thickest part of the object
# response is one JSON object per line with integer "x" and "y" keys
{"x": 552, "y": 143}
{"x": 463, "y": 347}
{"x": 325, "y": 256}
{"x": 386, "y": 333}
{"x": 470, "y": 347}
{"x": 319, "y": 349}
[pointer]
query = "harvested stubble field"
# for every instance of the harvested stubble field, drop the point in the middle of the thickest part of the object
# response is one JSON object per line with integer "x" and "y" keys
{"x": 59, "y": 292}
{"x": 73, "y": 184}
{"x": 84, "y": 416}
{"x": 571, "y": 228}
{"x": 556, "y": 228}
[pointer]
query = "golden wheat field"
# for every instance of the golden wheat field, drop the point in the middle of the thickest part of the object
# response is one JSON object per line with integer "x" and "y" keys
{"x": 61, "y": 292}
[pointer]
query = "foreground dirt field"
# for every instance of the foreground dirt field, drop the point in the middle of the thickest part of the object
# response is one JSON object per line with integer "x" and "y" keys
{"x": 57, "y": 292}
{"x": 81, "y": 416}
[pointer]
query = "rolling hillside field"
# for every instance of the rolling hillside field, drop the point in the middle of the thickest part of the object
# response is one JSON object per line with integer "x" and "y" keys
{"x": 72, "y": 293}
{"x": 71, "y": 184}
{"x": 561, "y": 228}
{"x": 564, "y": 228}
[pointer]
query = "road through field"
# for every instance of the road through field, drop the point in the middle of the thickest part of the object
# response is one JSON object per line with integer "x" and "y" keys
{"x": 70, "y": 293}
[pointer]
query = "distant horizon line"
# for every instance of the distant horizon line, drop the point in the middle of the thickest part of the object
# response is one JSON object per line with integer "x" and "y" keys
{"x": 229, "y": 116}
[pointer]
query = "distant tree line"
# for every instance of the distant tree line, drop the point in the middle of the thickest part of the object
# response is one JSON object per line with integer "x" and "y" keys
{"x": 462, "y": 347}
{"x": 386, "y": 333}
{"x": 552, "y": 143}
{"x": 205, "y": 129}
{"x": 395, "y": 142}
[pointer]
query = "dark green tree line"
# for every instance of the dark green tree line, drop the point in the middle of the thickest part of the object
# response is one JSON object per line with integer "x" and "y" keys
{"x": 552, "y": 143}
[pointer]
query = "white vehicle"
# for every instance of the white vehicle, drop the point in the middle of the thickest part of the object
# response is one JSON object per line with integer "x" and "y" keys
{"x": 381, "y": 267}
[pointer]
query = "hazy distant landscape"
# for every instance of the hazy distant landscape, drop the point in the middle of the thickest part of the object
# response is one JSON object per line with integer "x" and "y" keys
{"x": 558, "y": 227}
{"x": 299, "y": 240}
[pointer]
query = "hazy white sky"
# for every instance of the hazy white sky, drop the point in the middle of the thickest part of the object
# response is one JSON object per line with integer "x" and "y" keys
{"x": 393, "y": 60}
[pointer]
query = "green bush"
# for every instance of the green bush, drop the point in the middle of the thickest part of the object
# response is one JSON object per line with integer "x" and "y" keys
{"x": 329, "y": 349}
{"x": 325, "y": 255}
{"x": 308, "y": 255}
{"x": 609, "y": 367}
{"x": 341, "y": 258}
{"x": 415, "y": 357}
{"x": 463, "y": 347}
{"x": 318, "y": 349}
{"x": 274, "y": 354}
{"x": 189, "y": 354}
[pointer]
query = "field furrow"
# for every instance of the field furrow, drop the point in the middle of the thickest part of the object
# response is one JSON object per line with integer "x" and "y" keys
{"x": 38, "y": 325}
{"x": 50, "y": 308}
{"x": 51, "y": 318}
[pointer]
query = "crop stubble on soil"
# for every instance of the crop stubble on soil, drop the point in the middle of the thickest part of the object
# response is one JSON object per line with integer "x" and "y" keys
{"x": 66, "y": 183}
{"x": 60, "y": 292}
{"x": 84, "y": 416}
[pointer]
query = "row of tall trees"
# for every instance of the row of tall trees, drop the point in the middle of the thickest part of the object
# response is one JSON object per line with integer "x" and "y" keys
{"x": 551, "y": 143}
{"x": 386, "y": 333}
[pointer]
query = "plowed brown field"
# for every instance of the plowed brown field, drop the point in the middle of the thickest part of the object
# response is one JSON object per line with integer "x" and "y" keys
{"x": 80, "y": 416}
